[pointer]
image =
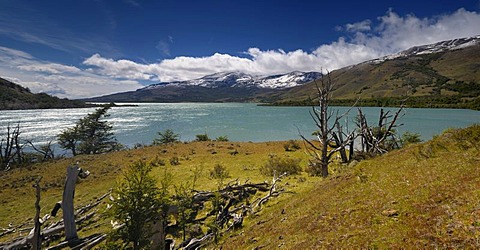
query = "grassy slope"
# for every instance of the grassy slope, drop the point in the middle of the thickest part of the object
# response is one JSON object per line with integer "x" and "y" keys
{"x": 14, "y": 96}
{"x": 17, "y": 195}
{"x": 434, "y": 187}
{"x": 412, "y": 76}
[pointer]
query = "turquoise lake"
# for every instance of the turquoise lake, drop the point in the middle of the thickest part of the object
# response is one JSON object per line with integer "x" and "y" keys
{"x": 238, "y": 121}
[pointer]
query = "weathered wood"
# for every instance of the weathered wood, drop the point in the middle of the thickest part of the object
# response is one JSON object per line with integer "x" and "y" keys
{"x": 37, "y": 239}
{"x": 55, "y": 228}
{"x": 374, "y": 138}
{"x": 73, "y": 172}
{"x": 197, "y": 243}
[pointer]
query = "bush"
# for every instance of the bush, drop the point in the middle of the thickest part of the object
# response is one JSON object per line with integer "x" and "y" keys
{"x": 167, "y": 136}
{"x": 222, "y": 138}
{"x": 291, "y": 145}
{"x": 202, "y": 137}
{"x": 174, "y": 161}
{"x": 277, "y": 165}
{"x": 137, "y": 203}
{"x": 409, "y": 138}
{"x": 157, "y": 162}
{"x": 219, "y": 172}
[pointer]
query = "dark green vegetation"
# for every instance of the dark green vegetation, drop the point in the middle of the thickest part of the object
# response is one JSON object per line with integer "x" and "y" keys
{"x": 90, "y": 135}
{"x": 172, "y": 94}
{"x": 14, "y": 96}
{"x": 139, "y": 200}
{"x": 165, "y": 137}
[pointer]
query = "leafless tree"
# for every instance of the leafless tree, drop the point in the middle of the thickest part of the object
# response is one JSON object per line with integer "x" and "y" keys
{"x": 331, "y": 138}
{"x": 379, "y": 139}
{"x": 11, "y": 147}
{"x": 45, "y": 151}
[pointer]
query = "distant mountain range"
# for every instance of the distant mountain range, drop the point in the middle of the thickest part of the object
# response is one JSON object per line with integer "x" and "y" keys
{"x": 219, "y": 87}
{"x": 447, "y": 71}
{"x": 14, "y": 96}
{"x": 243, "y": 80}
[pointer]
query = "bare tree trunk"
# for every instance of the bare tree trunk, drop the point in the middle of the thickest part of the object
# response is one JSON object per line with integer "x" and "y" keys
{"x": 326, "y": 122}
{"x": 73, "y": 172}
{"x": 37, "y": 239}
{"x": 10, "y": 147}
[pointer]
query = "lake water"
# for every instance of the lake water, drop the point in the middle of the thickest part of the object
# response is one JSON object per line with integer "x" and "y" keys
{"x": 238, "y": 121}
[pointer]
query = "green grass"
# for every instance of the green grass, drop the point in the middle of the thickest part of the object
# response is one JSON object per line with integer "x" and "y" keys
{"x": 434, "y": 188}
{"x": 241, "y": 160}
{"x": 424, "y": 196}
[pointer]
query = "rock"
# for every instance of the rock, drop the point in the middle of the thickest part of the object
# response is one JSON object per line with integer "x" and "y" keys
{"x": 390, "y": 212}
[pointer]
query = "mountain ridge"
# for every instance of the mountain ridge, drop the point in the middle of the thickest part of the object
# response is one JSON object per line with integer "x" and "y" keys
{"x": 240, "y": 79}
{"x": 14, "y": 96}
{"x": 447, "y": 71}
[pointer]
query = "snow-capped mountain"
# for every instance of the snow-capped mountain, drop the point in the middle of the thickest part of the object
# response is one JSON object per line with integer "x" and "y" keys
{"x": 443, "y": 46}
{"x": 239, "y": 79}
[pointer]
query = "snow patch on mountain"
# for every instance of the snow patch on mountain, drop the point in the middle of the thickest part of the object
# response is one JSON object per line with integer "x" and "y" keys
{"x": 243, "y": 80}
{"x": 454, "y": 44}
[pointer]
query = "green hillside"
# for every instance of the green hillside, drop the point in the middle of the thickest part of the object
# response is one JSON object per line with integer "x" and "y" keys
{"x": 444, "y": 79}
{"x": 14, "y": 96}
{"x": 424, "y": 196}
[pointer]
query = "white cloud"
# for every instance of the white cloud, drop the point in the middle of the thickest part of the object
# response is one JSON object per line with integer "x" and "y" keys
{"x": 360, "y": 26}
{"x": 57, "y": 79}
{"x": 53, "y": 68}
{"x": 163, "y": 46}
{"x": 390, "y": 34}
{"x": 366, "y": 40}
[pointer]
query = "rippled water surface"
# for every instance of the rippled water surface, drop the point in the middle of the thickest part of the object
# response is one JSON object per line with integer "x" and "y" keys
{"x": 238, "y": 121}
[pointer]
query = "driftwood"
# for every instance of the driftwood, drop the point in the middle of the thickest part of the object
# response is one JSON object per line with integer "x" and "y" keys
{"x": 57, "y": 228}
{"x": 73, "y": 172}
{"x": 234, "y": 208}
{"x": 198, "y": 243}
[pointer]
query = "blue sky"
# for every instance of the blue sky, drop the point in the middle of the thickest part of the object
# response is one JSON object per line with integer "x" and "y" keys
{"x": 92, "y": 47}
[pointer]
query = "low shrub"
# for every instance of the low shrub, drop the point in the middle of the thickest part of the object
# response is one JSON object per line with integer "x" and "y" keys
{"x": 157, "y": 162}
{"x": 166, "y": 137}
{"x": 219, "y": 172}
{"x": 222, "y": 138}
{"x": 291, "y": 145}
{"x": 277, "y": 165}
{"x": 174, "y": 161}
{"x": 202, "y": 137}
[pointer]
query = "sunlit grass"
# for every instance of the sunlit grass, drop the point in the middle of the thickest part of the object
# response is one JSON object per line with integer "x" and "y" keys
{"x": 241, "y": 160}
{"x": 399, "y": 200}
{"x": 424, "y": 196}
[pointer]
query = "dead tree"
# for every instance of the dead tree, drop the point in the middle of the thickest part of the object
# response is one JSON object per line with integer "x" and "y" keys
{"x": 37, "y": 239}
{"x": 45, "y": 151}
{"x": 73, "y": 172}
{"x": 379, "y": 139}
{"x": 11, "y": 148}
{"x": 330, "y": 135}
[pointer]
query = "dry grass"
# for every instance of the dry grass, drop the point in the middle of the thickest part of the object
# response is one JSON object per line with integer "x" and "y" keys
{"x": 241, "y": 160}
{"x": 425, "y": 196}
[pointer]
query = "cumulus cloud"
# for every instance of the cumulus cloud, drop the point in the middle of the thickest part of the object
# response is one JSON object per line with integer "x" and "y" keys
{"x": 58, "y": 79}
{"x": 368, "y": 40}
{"x": 365, "y": 40}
